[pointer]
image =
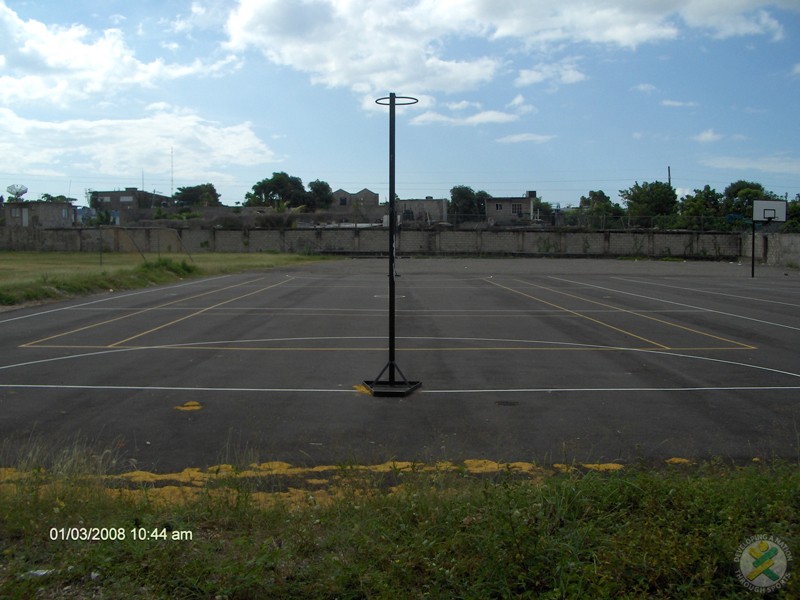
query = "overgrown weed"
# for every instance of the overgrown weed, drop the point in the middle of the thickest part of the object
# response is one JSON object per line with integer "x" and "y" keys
{"x": 398, "y": 530}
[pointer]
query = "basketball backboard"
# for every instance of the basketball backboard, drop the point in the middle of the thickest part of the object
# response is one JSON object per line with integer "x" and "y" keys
{"x": 769, "y": 210}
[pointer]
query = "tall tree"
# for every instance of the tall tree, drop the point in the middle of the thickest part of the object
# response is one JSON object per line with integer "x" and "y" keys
{"x": 197, "y": 195}
{"x": 280, "y": 191}
{"x": 650, "y": 199}
{"x": 739, "y": 197}
{"x": 703, "y": 203}
{"x": 598, "y": 203}
{"x": 320, "y": 195}
{"x": 468, "y": 204}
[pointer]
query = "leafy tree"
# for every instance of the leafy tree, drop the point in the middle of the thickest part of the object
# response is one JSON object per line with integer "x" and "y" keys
{"x": 197, "y": 195}
{"x": 280, "y": 191}
{"x": 792, "y": 216}
{"x": 650, "y": 199}
{"x": 45, "y": 197}
{"x": 598, "y": 203}
{"x": 703, "y": 203}
{"x": 468, "y": 204}
{"x": 739, "y": 197}
{"x": 542, "y": 208}
{"x": 320, "y": 195}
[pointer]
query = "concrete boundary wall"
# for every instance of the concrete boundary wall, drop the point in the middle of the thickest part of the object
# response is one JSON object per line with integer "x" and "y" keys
{"x": 777, "y": 249}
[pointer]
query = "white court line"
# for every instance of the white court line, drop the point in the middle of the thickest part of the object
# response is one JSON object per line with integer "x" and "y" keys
{"x": 68, "y": 357}
{"x": 114, "y": 297}
{"x": 264, "y": 340}
{"x": 617, "y": 348}
{"x": 160, "y": 388}
{"x": 699, "y": 308}
{"x": 611, "y": 389}
{"x": 677, "y": 287}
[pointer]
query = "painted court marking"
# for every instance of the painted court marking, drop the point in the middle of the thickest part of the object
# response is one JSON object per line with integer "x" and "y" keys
{"x": 700, "y": 308}
{"x": 377, "y": 343}
{"x": 473, "y": 390}
{"x": 138, "y": 388}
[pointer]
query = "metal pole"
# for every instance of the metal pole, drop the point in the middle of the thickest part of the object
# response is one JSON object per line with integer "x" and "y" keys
{"x": 393, "y": 386}
{"x": 753, "y": 249}
{"x": 392, "y": 232}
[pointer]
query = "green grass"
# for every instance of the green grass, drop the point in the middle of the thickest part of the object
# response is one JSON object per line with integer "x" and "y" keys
{"x": 407, "y": 532}
{"x": 42, "y": 276}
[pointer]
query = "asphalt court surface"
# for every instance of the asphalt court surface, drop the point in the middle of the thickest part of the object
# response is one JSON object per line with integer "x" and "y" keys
{"x": 520, "y": 359}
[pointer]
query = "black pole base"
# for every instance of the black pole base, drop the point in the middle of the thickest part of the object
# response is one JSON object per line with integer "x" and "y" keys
{"x": 391, "y": 386}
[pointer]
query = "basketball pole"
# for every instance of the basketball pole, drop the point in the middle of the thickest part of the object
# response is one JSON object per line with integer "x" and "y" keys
{"x": 753, "y": 247}
{"x": 392, "y": 386}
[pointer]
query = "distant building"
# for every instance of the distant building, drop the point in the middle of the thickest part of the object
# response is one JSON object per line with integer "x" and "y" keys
{"x": 124, "y": 205}
{"x": 48, "y": 215}
{"x": 425, "y": 211}
{"x": 511, "y": 210}
{"x": 345, "y": 201}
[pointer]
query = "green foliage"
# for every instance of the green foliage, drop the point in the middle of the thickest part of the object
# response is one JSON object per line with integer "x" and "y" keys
{"x": 39, "y": 277}
{"x": 650, "y": 199}
{"x": 320, "y": 195}
{"x": 181, "y": 269}
{"x": 792, "y": 216}
{"x": 468, "y": 204}
{"x": 60, "y": 198}
{"x": 278, "y": 190}
{"x": 60, "y": 287}
{"x": 598, "y": 204}
{"x": 286, "y": 193}
{"x": 739, "y": 196}
{"x": 669, "y": 533}
{"x": 197, "y": 195}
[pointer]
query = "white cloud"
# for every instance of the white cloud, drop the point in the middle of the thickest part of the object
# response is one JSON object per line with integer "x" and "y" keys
{"x": 624, "y": 23}
{"x": 119, "y": 147}
{"x": 783, "y": 164}
{"x": 645, "y": 88}
{"x": 375, "y": 45}
{"x": 707, "y": 136}
{"x": 365, "y": 45}
{"x": 621, "y": 22}
{"x": 205, "y": 14}
{"x": 368, "y": 46}
{"x": 481, "y": 118}
{"x": 519, "y": 105}
{"x": 463, "y": 105}
{"x": 796, "y": 70}
{"x": 525, "y": 137}
{"x": 678, "y": 104}
{"x": 564, "y": 72}
{"x": 59, "y": 65}
{"x": 737, "y": 19}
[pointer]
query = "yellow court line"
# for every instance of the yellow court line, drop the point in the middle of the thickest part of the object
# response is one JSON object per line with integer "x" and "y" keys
{"x": 639, "y": 314}
{"x": 576, "y": 313}
{"x": 199, "y": 312}
{"x": 133, "y": 314}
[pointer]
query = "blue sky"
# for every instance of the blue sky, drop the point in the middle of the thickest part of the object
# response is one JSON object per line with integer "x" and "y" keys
{"x": 514, "y": 95}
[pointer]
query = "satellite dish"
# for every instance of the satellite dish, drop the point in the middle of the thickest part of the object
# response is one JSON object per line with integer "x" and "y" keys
{"x": 17, "y": 190}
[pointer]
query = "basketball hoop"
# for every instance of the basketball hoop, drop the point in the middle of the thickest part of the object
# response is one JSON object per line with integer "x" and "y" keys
{"x": 398, "y": 100}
